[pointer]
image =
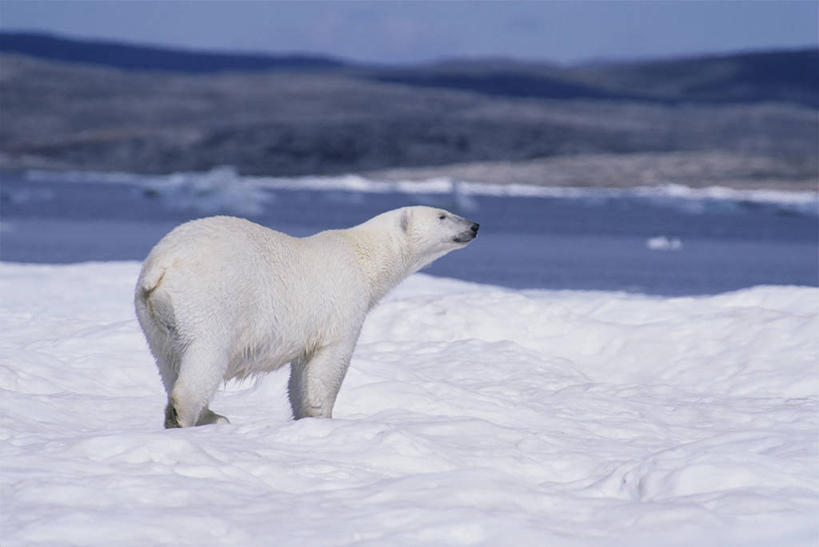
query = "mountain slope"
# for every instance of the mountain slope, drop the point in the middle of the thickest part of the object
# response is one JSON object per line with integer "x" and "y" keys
{"x": 772, "y": 76}
{"x": 768, "y": 76}
{"x": 139, "y": 57}
{"x": 347, "y": 118}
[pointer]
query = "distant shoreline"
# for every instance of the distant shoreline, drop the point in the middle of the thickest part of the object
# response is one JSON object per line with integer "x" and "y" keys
{"x": 502, "y": 124}
{"x": 696, "y": 170}
{"x": 225, "y": 180}
{"x": 691, "y": 169}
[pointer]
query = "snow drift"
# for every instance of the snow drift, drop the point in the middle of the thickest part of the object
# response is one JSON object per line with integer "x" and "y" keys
{"x": 471, "y": 415}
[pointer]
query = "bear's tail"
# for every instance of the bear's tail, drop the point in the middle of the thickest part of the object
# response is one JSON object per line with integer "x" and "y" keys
{"x": 149, "y": 279}
{"x": 150, "y": 300}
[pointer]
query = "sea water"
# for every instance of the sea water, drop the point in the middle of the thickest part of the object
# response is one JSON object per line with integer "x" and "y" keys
{"x": 665, "y": 241}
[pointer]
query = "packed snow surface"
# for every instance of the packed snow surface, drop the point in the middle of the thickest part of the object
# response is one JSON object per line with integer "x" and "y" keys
{"x": 471, "y": 415}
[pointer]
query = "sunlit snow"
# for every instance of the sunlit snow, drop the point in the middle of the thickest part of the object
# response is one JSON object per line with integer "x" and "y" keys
{"x": 471, "y": 415}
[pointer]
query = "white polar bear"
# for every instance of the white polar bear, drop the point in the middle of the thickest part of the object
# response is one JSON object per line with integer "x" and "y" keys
{"x": 222, "y": 297}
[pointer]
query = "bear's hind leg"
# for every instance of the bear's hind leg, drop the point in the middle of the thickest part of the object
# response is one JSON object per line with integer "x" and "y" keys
{"x": 200, "y": 371}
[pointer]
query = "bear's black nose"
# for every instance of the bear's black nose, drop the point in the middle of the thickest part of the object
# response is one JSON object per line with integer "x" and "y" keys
{"x": 475, "y": 227}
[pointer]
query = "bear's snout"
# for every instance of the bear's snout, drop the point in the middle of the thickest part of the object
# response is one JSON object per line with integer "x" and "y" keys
{"x": 469, "y": 234}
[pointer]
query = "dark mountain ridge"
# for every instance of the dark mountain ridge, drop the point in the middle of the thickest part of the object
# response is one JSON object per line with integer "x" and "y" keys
{"x": 141, "y": 57}
{"x": 775, "y": 76}
{"x": 749, "y": 77}
{"x": 721, "y": 120}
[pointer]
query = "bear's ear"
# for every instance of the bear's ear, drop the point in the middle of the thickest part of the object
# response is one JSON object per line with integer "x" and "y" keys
{"x": 405, "y": 220}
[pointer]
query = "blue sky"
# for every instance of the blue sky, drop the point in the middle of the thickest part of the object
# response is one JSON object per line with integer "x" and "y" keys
{"x": 391, "y": 31}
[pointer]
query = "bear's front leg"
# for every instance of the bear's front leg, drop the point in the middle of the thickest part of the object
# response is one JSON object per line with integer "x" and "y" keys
{"x": 316, "y": 379}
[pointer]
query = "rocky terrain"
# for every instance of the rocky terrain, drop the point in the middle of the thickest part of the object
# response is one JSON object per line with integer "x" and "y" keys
{"x": 726, "y": 120}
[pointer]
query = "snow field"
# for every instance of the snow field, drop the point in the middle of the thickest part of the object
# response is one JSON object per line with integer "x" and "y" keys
{"x": 471, "y": 415}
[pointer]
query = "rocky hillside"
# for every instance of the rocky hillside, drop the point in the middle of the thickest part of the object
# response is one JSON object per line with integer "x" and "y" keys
{"x": 326, "y": 116}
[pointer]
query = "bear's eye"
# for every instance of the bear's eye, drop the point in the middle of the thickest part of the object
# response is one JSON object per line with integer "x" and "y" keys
{"x": 441, "y": 216}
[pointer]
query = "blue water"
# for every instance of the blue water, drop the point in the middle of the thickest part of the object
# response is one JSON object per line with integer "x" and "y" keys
{"x": 524, "y": 242}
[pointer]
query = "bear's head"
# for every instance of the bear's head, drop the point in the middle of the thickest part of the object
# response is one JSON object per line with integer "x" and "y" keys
{"x": 393, "y": 245}
{"x": 434, "y": 232}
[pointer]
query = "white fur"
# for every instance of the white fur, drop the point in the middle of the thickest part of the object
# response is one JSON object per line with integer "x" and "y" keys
{"x": 222, "y": 297}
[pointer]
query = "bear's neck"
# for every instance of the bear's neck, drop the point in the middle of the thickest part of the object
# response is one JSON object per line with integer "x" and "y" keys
{"x": 384, "y": 259}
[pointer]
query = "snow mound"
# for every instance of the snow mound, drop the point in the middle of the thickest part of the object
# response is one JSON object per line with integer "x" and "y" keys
{"x": 471, "y": 415}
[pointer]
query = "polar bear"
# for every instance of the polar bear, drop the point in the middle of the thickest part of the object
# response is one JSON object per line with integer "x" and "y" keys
{"x": 222, "y": 297}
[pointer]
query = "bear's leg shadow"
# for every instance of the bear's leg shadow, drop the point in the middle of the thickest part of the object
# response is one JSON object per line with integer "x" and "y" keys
{"x": 168, "y": 370}
{"x": 316, "y": 379}
{"x": 201, "y": 369}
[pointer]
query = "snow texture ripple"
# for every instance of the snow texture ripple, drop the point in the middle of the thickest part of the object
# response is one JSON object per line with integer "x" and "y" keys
{"x": 471, "y": 415}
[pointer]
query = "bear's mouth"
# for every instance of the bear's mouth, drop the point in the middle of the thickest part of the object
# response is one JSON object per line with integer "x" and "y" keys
{"x": 467, "y": 235}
